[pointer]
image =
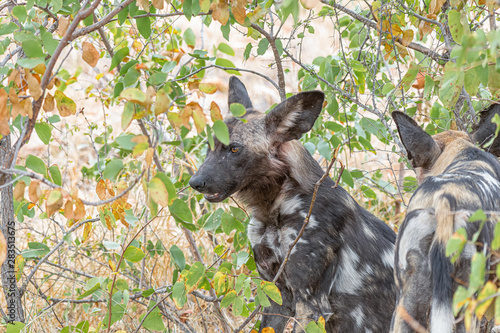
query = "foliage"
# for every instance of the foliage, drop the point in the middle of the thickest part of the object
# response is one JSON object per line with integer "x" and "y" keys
{"x": 89, "y": 244}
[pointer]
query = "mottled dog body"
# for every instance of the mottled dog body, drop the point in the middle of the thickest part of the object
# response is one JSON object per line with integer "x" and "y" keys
{"x": 456, "y": 179}
{"x": 342, "y": 266}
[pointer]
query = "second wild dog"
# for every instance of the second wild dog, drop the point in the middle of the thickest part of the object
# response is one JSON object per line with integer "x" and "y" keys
{"x": 342, "y": 266}
{"x": 456, "y": 179}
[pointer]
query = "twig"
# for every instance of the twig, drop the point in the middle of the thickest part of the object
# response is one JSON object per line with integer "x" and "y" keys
{"x": 226, "y": 69}
{"x": 277, "y": 58}
{"x": 33, "y": 271}
{"x": 415, "y": 325}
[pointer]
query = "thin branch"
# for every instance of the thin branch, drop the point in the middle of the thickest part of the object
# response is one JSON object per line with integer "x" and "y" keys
{"x": 372, "y": 24}
{"x": 226, "y": 69}
{"x": 54, "y": 249}
{"x": 415, "y": 325}
{"x": 277, "y": 58}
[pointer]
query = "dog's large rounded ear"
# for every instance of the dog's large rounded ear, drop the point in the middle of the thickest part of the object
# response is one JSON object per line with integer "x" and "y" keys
{"x": 486, "y": 130}
{"x": 238, "y": 93}
{"x": 422, "y": 149}
{"x": 294, "y": 116}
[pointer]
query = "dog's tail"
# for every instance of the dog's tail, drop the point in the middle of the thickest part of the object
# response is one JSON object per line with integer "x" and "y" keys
{"x": 442, "y": 297}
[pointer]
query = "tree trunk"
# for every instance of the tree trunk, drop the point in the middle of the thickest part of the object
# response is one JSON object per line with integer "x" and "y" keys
{"x": 7, "y": 226}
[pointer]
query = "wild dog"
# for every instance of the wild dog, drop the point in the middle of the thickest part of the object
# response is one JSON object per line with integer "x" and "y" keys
{"x": 485, "y": 130}
{"x": 456, "y": 178}
{"x": 342, "y": 266}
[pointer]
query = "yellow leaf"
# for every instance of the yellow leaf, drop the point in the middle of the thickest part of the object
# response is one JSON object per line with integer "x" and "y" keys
{"x": 488, "y": 290}
{"x": 208, "y": 88}
{"x": 140, "y": 139}
{"x": 376, "y": 9}
{"x": 18, "y": 266}
{"x": 220, "y": 12}
{"x": 134, "y": 95}
{"x": 396, "y": 30}
{"x": 65, "y": 105}
{"x": 34, "y": 191}
{"x": 407, "y": 37}
{"x": 144, "y": 4}
{"x": 215, "y": 113}
{"x": 16, "y": 105}
{"x": 40, "y": 68}
{"x": 86, "y": 230}
{"x": 4, "y": 114}
{"x": 3, "y": 249}
{"x": 54, "y": 202}
{"x": 149, "y": 156}
{"x": 175, "y": 120}
{"x": 199, "y": 118}
{"x": 268, "y": 330}
{"x": 162, "y": 102}
{"x": 112, "y": 265}
{"x": 89, "y": 54}
{"x": 63, "y": 26}
{"x": 158, "y": 192}
{"x": 205, "y": 6}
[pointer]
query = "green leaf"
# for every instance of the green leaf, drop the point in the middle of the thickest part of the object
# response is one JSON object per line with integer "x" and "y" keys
{"x": 7, "y": 29}
{"x": 179, "y": 294}
{"x": 32, "y": 48}
{"x": 180, "y": 210}
{"x": 271, "y": 291}
{"x": 456, "y": 27}
{"x": 154, "y": 319}
{"x": 460, "y": 298}
{"x": 133, "y": 95}
{"x": 223, "y": 47}
{"x": 112, "y": 169}
{"x": 483, "y": 74}
{"x": 15, "y": 327}
{"x": 325, "y": 150}
{"x": 312, "y": 327}
{"x": 410, "y": 76}
{"x": 229, "y": 223}
{"x": 237, "y": 109}
{"x": 127, "y": 115}
{"x": 190, "y": 37}
{"x": 118, "y": 57}
{"x": 20, "y": 13}
{"x": 228, "y": 299}
{"x": 30, "y": 62}
{"x": 221, "y": 131}
{"x": 484, "y": 299}
{"x": 478, "y": 215}
{"x": 89, "y": 292}
{"x": 227, "y": 63}
{"x": 347, "y": 178}
{"x": 246, "y": 53}
{"x": 495, "y": 245}
{"x": 178, "y": 257}
{"x": 35, "y": 250}
{"x": 55, "y": 174}
{"x": 43, "y": 130}
{"x": 387, "y": 88}
{"x": 263, "y": 46}
{"x": 133, "y": 254}
{"x": 456, "y": 244}
{"x": 36, "y": 164}
{"x": 57, "y": 5}
{"x": 194, "y": 276}
{"x": 144, "y": 26}
{"x": 261, "y": 297}
{"x": 477, "y": 271}
{"x": 471, "y": 82}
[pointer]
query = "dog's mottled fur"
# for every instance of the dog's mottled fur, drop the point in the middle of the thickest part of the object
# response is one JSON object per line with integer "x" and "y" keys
{"x": 342, "y": 267}
{"x": 456, "y": 179}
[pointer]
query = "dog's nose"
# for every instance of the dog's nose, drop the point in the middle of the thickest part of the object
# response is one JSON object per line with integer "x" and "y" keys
{"x": 197, "y": 183}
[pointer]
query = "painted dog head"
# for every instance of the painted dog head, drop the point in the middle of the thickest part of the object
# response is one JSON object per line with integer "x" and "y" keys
{"x": 484, "y": 131}
{"x": 258, "y": 145}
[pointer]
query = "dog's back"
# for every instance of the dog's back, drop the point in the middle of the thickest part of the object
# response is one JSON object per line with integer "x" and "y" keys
{"x": 457, "y": 179}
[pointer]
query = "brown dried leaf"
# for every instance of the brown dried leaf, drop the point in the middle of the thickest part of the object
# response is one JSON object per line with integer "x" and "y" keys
{"x": 149, "y": 156}
{"x": 162, "y": 102}
{"x": 158, "y": 4}
{"x": 109, "y": 186}
{"x": 144, "y": 4}
{"x": 139, "y": 139}
{"x": 49, "y": 103}
{"x": 3, "y": 249}
{"x": 238, "y": 10}
{"x": 27, "y": 108}
{"x": 220, "y": 12}
{"x": 79, "y": 210}
{"x": 200, "y": 121}
{"x": 34, "y": 191}
{"x": 65, "y": 105}
{"x": 19, "y": 191}
{"x": 68, "y": 210}
{"x": 40, "y": 69}
{"x": 435, "y": 6}
{"x": 89, "y": 54}
{"x": 15, "y": 77}
{"x": 63, "y": 26}
{"x": 420, "y": 81}
{"x": 16, "y": 105}
{"x": 208, "y": 88}
{"x": 4, "y": 113}
{"x": 215, "y": 113}
{"x": 100, "y": 189}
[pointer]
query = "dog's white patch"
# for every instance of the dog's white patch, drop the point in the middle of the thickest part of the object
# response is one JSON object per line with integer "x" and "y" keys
{"x": 388, "y": 257}
{"x": 416, "y": 229}
{"x": 313, "y": 223}
{"x": 348, "y": 280}
{"x": 368, "y": 232}
{"x": 255, "y": 231}
{"x": 359, "y": 316}
{"x": 441, "y": 318}
{"x": 290, "y": 206}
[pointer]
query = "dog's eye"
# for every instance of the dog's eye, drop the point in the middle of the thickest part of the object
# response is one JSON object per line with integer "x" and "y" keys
{"x": 235, "y": 149}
